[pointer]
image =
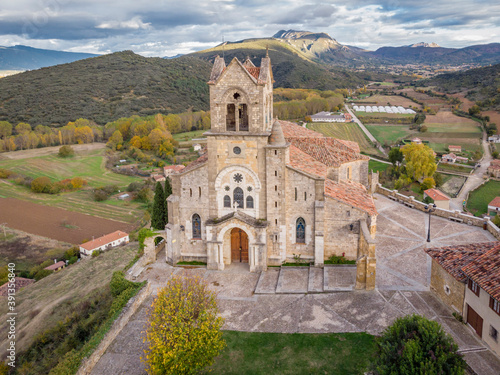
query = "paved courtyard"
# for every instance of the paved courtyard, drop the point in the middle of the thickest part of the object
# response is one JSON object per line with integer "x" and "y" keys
{"x": 307, "y": 300}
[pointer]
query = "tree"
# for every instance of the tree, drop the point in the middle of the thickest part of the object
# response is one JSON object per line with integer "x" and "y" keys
{"x": 474, "y": 110}
{"x": 420, "y": 160}
{"x": 168, "y": 192}
{"x": 41, "y": 185}
{"x": 158, "y": 217}
{"x": 66, "y": 151}
{"x": 5, "y": 129}
{"x": 427, "y": 183}
{"x": 395, "y": 156}
{"x": 184, "y": 332}
{"x": 416, "y": 345}
{"x": 116, "y": 141}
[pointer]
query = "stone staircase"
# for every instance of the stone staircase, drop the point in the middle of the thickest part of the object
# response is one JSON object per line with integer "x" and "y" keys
{"x": 302, "y": 280}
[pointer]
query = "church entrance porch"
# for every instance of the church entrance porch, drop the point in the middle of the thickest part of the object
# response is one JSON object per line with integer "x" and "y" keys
{"x": 239, "y": 246}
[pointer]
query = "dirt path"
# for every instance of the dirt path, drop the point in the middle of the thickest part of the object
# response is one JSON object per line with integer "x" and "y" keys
{"x": 56, "y": 223}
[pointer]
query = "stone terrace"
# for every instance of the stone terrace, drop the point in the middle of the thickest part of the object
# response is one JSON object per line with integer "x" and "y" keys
{"x": 294, "y": 299}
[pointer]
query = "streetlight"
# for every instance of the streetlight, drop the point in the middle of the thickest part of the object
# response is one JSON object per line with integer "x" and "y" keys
{"x": 430, "y": 209}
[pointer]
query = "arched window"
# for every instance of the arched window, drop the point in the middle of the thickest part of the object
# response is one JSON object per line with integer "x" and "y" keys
{"x": 300, "y": 229}
{"x": 227, "y": 201}
{"x": 231, "y": 118}
{"x": 238, "y": 197}
{"x": 196, "y": 226}
{"x": 249, "y": 202}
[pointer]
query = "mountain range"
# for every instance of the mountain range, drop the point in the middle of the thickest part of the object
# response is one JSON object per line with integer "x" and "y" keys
{"x": 28, "y": 58}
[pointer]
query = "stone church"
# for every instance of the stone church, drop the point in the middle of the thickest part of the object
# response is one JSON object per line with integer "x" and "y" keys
{"x": 267, "y": 191}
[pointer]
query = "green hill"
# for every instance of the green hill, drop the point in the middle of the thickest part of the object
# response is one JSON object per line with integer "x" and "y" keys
{"x": 104, "y": 89}
{"x": 482, "y": 84}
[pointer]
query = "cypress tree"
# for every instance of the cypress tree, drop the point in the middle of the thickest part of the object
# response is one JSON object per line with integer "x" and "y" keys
{"x": 168, "y": 192}
{"x": 158, "y": 217}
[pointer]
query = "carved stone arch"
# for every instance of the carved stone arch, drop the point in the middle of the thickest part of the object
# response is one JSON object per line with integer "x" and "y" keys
{"x": 248, "y": 230}
{"x": 228, "y": 95}
{"x": 237, "y": 109}
{"x": 235, "y": 168}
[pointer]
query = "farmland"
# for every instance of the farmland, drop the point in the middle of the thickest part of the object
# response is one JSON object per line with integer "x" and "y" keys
{"x": 90, "y": 166}
{"x": 389, "y": 100}
{"x": 349, "y": 131}
{"x": 431, "y": 102}
{"x": 390, "y": 133}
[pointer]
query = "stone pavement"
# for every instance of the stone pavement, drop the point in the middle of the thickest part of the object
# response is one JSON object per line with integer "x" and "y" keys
{"x": 294, "y": 299}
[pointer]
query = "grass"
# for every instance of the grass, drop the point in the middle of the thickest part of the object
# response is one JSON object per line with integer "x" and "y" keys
{"x": 298, "y": 264}
{"x": 295, "y": 353}
{"x": 479, "y": 198}
{"x": 193, "y": 263}
{"x": 376, "y": 166}
{"x": 389, "y": 133}
{"x": 454, "y": 168}
{"x": 349, "y": 131}
{"x": 183, "y": 137}
{"x": 91, "y": 167}
{"x": 54, "y": 296}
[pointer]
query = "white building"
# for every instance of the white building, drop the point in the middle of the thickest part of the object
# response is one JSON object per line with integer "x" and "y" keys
{"x": 105, "y": 242}
{"x": 327, "y": 117}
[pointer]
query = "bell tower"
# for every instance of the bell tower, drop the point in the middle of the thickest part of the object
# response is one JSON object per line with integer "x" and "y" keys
{"x": 241, "y": 109}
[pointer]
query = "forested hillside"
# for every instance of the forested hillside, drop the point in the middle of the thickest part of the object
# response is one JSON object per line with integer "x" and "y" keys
{"x": 482, "y": 84}
{"x": 104, "y": 89}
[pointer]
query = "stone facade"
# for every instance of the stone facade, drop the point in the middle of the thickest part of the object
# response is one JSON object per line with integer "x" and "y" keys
{"x": 450, "y": 290}
{"x": 267, "y": 191}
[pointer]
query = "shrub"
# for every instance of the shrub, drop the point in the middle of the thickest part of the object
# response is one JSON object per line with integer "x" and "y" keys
{"x": 119, "y": 283}
{"x": 134, "y": 186}
{"x": 184, "y": 332}
{"x": 66, "y": 151}
{"x": 5, "y": 173}
{"x": 427, "y": 183}
{"x": 96, "y": 253}
{"x": 496, "y": 220}
{"x": 100, "y": 195}
{"x": 41, "y": 185}
{"x": 416, "y": 345}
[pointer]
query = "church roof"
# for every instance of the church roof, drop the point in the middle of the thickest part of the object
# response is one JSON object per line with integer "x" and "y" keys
{"x": 195, "y": 164}
{"x": 217, "y": 69}
{"x": 352, "y": 193}
{"x": 304, "y": 162}
{"x": 259, "y": 74}
{"x": 277, "y": 138}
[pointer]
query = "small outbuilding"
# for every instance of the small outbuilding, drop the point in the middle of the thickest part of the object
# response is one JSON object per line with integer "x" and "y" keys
{"x": 494, "y": 207}
{"x": 453, "y": 148}
{"x": 170, "y": 169}
{"x": 56, "y": 266}
{"x": 439, "y": 198}
{"x": 105, "y": 242}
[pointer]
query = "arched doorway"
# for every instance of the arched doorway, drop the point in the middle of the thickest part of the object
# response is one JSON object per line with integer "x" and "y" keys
{"x": 239, "y": 246}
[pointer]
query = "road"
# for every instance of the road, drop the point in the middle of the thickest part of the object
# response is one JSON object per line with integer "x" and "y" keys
{"x": 365, "y": 130}
{"x": 475, "y": 179}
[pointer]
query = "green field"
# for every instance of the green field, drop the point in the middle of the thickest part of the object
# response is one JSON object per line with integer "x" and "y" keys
{"x": 91, "y": 167}
{"x": 376, "y": 166}
{"x": 349, "y": 131}
{"x": 390, "y": 133}
{"x": 183, "y": 137}
{"x": 479, "y": 198}
{"x": 295, "y": 353}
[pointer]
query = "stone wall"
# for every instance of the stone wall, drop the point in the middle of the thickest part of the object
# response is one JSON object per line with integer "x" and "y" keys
{"x": 449, "y": 290}
{"x": 122, "y": 320}
{"x": 447, "y": 214}
{"x": 366, "y": 262}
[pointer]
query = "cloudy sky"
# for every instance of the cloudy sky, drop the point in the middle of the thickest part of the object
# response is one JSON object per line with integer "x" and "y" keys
{"x": 167, "y": 28}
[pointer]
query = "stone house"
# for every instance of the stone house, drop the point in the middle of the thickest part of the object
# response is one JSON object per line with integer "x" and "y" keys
{"x": 438, "y": 197}
{"x": 197, "y": 147}
{"x": 453, "y": 148}
{"x": 467, "y": 279}
{"x": 56, "y": 266}
{"x": 266, "y": 189}
{"x": 494, "y": 168}
{"x": 449, "y": 158}
{"x": 169, "y": 169}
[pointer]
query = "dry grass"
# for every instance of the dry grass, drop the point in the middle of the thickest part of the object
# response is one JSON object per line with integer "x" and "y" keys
{"x": 54, "y": 296}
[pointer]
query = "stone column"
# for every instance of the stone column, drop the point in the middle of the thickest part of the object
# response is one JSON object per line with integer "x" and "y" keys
{"x": 215, "y": 260}
{"x": 319, "y": 240}
{"x": 172, "y": 246}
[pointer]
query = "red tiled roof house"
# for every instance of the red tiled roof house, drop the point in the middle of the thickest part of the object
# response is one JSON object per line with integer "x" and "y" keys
{"x": 105, "y": 242}
{"x": 439, "y": 198}
{"x": 494, "y": 207}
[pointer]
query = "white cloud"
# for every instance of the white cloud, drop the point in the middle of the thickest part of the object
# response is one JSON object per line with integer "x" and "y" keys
{"x": 133, "y": 24}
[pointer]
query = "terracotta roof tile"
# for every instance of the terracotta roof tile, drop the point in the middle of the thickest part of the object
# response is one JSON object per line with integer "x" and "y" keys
{"x": 195, "y": 164}
{"x": 495, "y": 202}
{"x": 352, "y": 193}
{"x": 174, "y": 168}
{"x": 98, "y": 242}
{"x": 485, "y": 271}
{"x": 437, "y": 195}
{"x": 55, "y": 266}
{"x": 454, "y": 258}
{"x": 291, "y": 130}
{"x": 304, "y": 162}
{"x": 20, "y": 282}
{"x": 254, "y": 71}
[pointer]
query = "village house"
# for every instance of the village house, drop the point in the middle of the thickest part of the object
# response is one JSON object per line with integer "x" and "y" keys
{"x": 438, "y": 197}
{"x": 494, "y": 207}
{"x": 105, "y": 242}
{"x": 267, "y": 190}
{"x": 20, "y": 282}
{"x": 197, "y": 147}
{"x": 466, "y": 278}
{"x": 169, "y": 169}
{"x": 158, "y": 177}
{"x": 417, "y": 141}
{"x": 452, "y": 148}
{"x": 56, "y": 266}
{"x": 494, "y": 168}
{"x": 494, "y": 138}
